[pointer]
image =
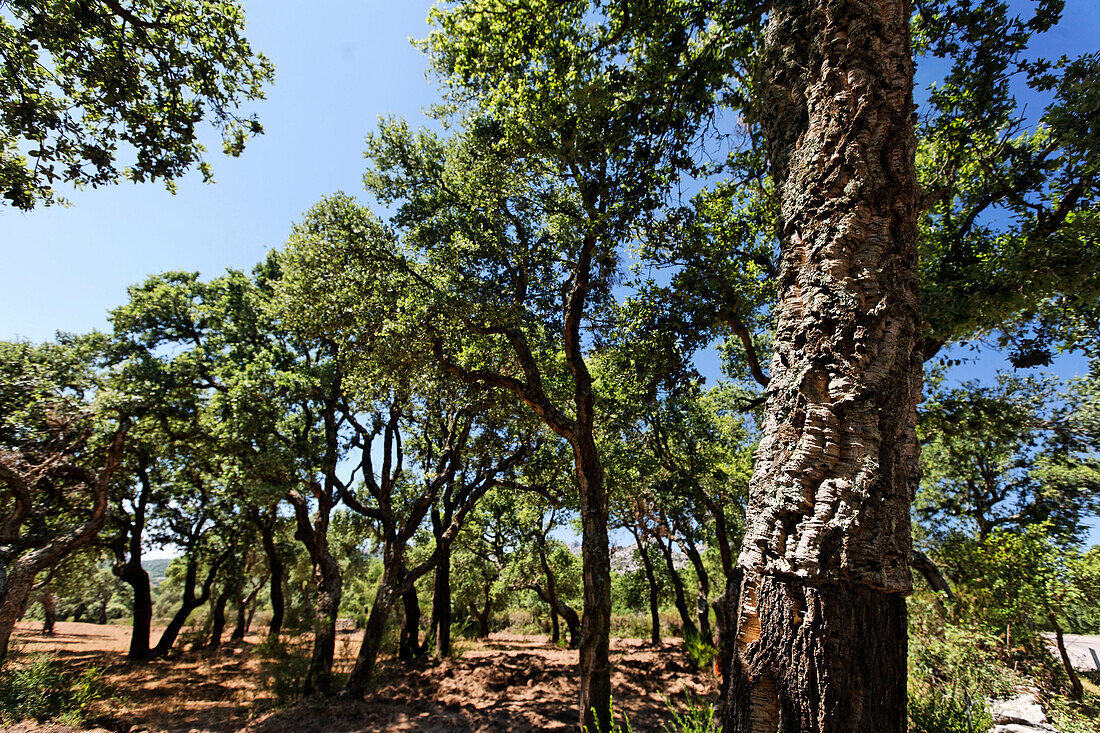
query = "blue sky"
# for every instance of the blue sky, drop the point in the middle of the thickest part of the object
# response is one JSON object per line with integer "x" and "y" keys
{"x": 339, "y": 66}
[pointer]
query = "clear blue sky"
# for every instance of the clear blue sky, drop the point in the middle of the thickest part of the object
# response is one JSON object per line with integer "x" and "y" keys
{"x": 339, "y": 66}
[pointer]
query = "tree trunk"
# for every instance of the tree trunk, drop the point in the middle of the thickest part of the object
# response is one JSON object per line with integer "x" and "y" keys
{"x": 555, "y": 627}
{"x": 931, "y": 572}
{"x": 409, "y": 646}
{"x": 557, "y": 606}
{"x": 326, "y": 611}
{"x": 217, "y": 617}
{"x": 441, "y": 606}
{"x": 595, "y": 659}
{"x": 688, "y": 626}
{"x": 572, "y": 620}
{"x": 363, "y": 670}
{"x": 275, "y": 565}
{"x": 1076, "y": 690}
{"x": 245, "y": 608}
{"x": 49, "y": 612}
{"x": 484, "y": 613}
{"x": 654, "y": 595}
{"x": 138, "y": 579}
{"x": 725, "y": 614}
{"x": 821, "y": 642}
{"x": 702, "y": 601}
{"x": 190, "y": 603}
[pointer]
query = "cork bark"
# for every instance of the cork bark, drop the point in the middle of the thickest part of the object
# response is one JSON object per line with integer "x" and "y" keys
{"x": 820, "y": 640}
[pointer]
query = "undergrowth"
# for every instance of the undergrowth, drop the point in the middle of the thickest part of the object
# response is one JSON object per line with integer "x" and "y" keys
{"x": 38, "y": 687}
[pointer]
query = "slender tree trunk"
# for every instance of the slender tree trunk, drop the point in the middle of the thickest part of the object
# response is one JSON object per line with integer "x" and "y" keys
{"x": 326, "y": 610}
{"x": 702, "y": 601}
{"x": 363, "y": 671}
{"x": 555, "y": 627}
{"x": 689, "y": 631}
{"x": 217, "y": 617}
{"x": 409, "y": 646}
{"x": 49, "y": 612}
{"x": 821, "y": 642}
{"x": 595, "y": 658}
{"x": 245, "y": 608}
{"x": 275, "y": 566}
{"x": 1076, "y": 690}
{"x": 572, "y": 620}
{"x": 441, "y": 606}
{"x": 190, "y": 603}
{"x": 725, "y": 614}
{"x": 484, "y": 613}
{"x": 654, "y": 594}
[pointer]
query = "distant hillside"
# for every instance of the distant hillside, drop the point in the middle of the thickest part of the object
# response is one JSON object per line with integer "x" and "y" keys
{"x": 156, "y": 569}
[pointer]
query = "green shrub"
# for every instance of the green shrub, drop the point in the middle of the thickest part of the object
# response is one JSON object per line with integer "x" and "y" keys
{"x": 284, "y": 669}
{"x": 39, "y": 688}
{"x": 697, "y": 716}
{"x": 935, "y": 710}
{"x": 699, "y": 652}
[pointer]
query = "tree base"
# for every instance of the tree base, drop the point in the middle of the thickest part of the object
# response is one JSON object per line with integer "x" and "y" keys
{"x": 817, "y": 659}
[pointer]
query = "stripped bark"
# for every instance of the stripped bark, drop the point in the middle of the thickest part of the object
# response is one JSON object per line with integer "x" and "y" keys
{"x": 821, "y": 643}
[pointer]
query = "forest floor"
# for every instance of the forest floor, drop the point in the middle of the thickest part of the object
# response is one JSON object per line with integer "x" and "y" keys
{"x": 509, "y": 682}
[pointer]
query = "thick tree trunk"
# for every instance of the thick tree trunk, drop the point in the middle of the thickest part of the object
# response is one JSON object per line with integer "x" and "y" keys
{"x": 555, "y": 627}
{"x": 679, "y": 597}
{"x": 821, "y": 642}
{"x": 138, "y": 579}
{"x": 441, "y": 606}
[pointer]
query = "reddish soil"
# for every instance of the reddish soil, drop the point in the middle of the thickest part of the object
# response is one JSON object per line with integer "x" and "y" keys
{"x": 506, "y": 683}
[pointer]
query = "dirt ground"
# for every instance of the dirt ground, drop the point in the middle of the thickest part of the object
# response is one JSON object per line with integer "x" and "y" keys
{"x": 506, "y": 683}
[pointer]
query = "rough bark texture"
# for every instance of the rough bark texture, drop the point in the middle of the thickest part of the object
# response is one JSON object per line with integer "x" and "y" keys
{"x": 363, "y": 671}
{"x": 821, "y": 626}
{"x": 595, "y": 657}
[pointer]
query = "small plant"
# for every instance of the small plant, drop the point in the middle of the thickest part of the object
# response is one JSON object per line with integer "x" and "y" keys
{"x": 285, "y": 668}
{"x": 40, "y": 689}
{"x": 614, "y": 726}
{"x": 934, "y": 710}
{"x": 697, "y": 716}
{"x": 699, "y": 652}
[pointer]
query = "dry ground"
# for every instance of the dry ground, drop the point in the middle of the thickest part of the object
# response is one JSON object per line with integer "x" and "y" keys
{"x": 507, "y": 683}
